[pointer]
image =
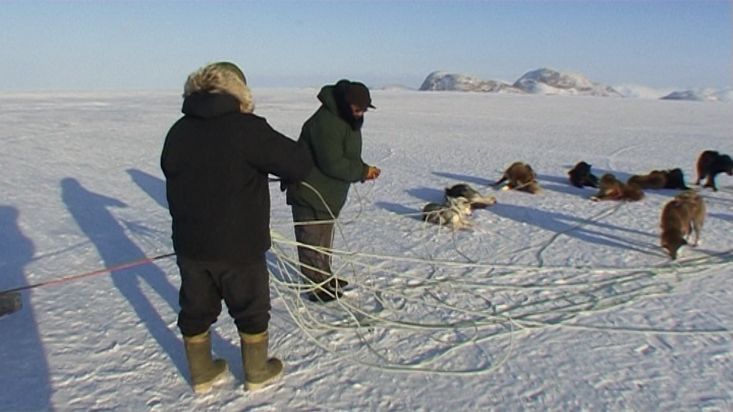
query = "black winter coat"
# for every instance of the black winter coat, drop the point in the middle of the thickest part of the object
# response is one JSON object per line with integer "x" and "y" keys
{"x": 216, "y": 161}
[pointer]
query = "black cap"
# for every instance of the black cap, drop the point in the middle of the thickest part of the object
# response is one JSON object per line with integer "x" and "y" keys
{"x": 358, "y": 94}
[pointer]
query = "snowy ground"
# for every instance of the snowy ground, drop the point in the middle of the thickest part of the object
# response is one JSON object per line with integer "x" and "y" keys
{"x": 550, "y": 302}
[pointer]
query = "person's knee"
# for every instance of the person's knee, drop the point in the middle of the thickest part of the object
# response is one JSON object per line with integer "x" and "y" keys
{"x": 257, "y": 324}
{"x": 191, "y": 325}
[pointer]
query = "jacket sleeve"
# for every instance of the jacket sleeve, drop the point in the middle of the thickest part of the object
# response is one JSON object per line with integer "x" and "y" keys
{"x": 274, "y": 153}
{"x": 327, "y": 145}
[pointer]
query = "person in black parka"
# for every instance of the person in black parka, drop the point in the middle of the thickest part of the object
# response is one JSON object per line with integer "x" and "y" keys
{"x": 216, "y": 160}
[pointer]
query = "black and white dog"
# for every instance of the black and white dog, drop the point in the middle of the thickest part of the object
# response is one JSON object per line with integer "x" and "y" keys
{"x": 476, "y": 199}
{"x": 453, "y": 213}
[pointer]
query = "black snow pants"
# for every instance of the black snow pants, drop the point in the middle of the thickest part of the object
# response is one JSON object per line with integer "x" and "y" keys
{"x": 244, "y": 288}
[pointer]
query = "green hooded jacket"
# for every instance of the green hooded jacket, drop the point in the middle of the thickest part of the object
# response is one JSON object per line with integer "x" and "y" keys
{"x": 336, "y": 150}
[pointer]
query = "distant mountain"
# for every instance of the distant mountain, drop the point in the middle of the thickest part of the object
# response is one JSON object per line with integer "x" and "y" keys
{"x": 642, "y": 92}
{"x": 701, "y": 95}
{"x": 461, "y": 82}
{"x": 540, "y": 81}
{"x": 547, "y": 81}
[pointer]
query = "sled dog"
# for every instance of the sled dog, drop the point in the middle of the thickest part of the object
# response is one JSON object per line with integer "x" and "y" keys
{"x": 656, "y": 179}
{"x": 453, "y": 213}
{"x": 580, "y": 175}
{"x": 660, "y": 179}
{"x": 676, "y": 179}
{"x": 610, "y": 188}
{"x": 680, "y": 217}
{"x": 519, "y": 176}
{"x": 709, "y": 164}
{"x": 475, "y": 198}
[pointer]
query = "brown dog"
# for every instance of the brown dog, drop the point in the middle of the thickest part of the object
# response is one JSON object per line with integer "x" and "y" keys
{"x": 660, "y": 179}
{"x": 520, "y": 176}
{"x": 656, "y": 179}
{"x": 680, "y": 217}
{"x": 610, "y": 188}
{"x": 709, "y": 164}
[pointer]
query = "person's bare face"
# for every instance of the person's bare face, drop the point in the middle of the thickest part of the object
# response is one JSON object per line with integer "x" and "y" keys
{"x": 357, "y": 111}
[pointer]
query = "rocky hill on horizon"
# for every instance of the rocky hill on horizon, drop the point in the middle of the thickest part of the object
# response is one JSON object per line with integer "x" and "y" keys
{"x": 540, "y": 81}
{"x": 551, "y": 82}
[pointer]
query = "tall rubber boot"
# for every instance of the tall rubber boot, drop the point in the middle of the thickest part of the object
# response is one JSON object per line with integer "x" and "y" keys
{"x": 205, "y": 372}
{"x": 259, "y": 371}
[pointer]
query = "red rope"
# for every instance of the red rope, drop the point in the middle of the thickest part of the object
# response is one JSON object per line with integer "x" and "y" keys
{"x": 92, "y": 273}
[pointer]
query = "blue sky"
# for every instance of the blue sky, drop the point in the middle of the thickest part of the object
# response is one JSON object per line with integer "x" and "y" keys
{"x": 140, "y": 45}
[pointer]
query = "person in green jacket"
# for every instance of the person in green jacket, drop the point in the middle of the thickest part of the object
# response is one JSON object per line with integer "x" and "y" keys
{"x": 333, "y": 136}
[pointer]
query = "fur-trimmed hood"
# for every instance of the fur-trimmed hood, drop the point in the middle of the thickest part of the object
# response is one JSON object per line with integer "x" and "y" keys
{"x": 221, "y": 77}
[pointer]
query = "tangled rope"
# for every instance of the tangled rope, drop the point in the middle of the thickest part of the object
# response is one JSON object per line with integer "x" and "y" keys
{"x": 462, "y": 317}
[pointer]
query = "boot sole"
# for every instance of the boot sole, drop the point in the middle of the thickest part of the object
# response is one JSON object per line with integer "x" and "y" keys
{"x": 252, "y": 386}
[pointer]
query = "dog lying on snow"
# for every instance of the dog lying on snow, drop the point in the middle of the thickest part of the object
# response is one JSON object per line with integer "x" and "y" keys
{"x": 709, "y": 164}
{"x": 610, "y": 188}
{"x": 580, "y": 175}
{"x": 453, "y": 213}
{"x": 680, "y": 217}
{"x": 475, "y": 198}
{"x": 660, "y": 179}
{"x": 519, "y": 176}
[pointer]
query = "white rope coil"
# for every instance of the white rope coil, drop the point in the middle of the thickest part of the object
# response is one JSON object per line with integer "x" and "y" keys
{"x": 462, "y": 317}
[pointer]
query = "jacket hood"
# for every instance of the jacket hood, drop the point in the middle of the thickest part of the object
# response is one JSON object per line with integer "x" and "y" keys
{"x": 333, "y": 98}
{"x": 220, "y": 78}
{"x": 326, "y": 97}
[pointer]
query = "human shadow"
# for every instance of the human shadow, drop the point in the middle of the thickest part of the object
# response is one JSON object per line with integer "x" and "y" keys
{"x": 466, "y": 179}
{"x": 153, "y": 186}
{"x": 709, "y": 197}
{"x": 585, "y": 192}
{"x": 91, "y": 212}
{"x": 583, "y": 229}
{"x": 22, "y": 355}
{"x": 721, "y": 216}
{"x": 562, "y": 185}
{"x": 563, "y": 180}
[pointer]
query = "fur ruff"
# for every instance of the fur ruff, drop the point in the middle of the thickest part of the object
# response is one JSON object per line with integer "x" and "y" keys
{"x": 215, "y": 79}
